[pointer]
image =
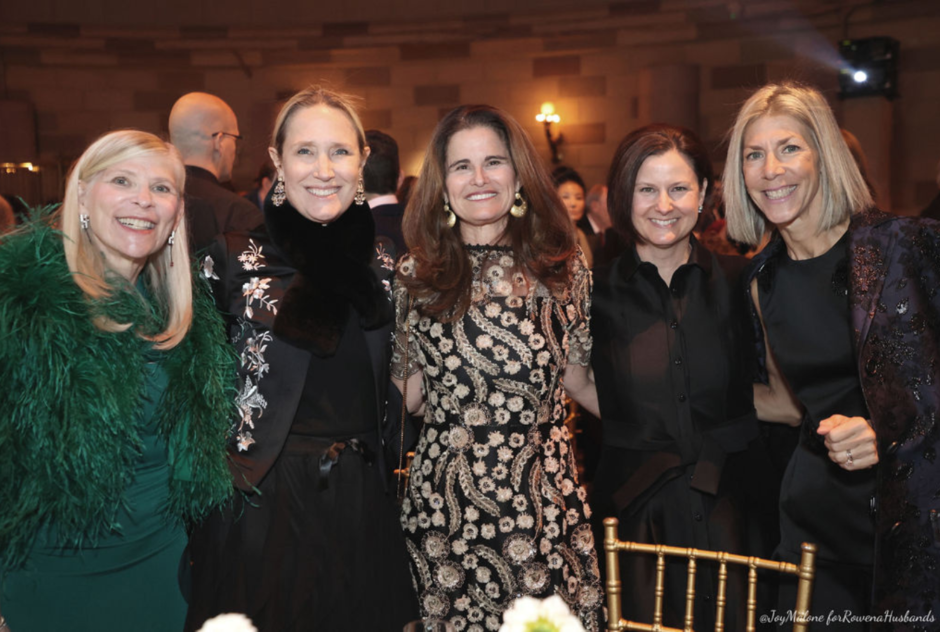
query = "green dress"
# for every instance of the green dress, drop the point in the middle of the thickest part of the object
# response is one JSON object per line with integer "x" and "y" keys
{"x": 128, "y": 579}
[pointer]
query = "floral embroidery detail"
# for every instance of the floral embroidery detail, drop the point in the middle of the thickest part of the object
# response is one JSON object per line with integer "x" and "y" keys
{"x": 252, "y": 259}
{"x": 388, "y": 263}
{"x": 208, "y": 269}
{"x": 252, "y": 354}
{"x": 253, "y": 345}
{"x": 255, "y": 290}
{"x": 249, "y": 399}
{"x": 494, "y": 490}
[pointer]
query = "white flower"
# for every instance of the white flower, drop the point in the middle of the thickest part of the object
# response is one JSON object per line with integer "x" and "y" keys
{"x": 228, "y": 623}
{"x": 528, "y": 613}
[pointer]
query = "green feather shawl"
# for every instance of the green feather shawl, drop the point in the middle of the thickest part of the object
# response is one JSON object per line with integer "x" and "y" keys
{"x": 70, "y": 395}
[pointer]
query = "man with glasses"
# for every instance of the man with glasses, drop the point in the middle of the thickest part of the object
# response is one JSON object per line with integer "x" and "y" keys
{"x": 205, "y": 130}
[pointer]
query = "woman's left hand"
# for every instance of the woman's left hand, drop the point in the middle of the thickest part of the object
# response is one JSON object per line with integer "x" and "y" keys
{"x": 851, "y": 441}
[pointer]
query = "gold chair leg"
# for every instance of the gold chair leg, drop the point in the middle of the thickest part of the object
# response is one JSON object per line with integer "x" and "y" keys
{"x": 613, "y": 575}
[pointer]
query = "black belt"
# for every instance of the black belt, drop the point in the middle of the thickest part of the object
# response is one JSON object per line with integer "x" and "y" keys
{"x": 329, "y": 451}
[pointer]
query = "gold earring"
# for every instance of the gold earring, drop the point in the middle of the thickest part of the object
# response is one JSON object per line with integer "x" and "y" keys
{"x": 279, "y": 195}
{"x": 451, "y": 218}
{"x": 519, "y": 207}
{"x": 360, "y": 198}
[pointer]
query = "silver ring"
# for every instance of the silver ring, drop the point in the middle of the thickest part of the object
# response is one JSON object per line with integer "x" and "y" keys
{"x": 848, "y": 457}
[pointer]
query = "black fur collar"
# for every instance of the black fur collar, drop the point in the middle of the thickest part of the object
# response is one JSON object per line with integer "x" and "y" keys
{"x": 333, "y": 273}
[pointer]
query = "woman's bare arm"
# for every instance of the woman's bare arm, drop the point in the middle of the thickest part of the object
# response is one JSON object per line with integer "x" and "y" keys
{"x": 774, "y": 401}
{"x": 579, "y": 384}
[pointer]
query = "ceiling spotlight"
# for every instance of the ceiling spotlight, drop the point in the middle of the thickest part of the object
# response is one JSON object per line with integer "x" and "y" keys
{"x": 869, "y": 67}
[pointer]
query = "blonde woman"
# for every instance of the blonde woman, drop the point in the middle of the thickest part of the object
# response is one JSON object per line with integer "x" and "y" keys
{"x": 315, "y": 544}
{"x": 845, "y": 299}
{"x": 117, "y": 393}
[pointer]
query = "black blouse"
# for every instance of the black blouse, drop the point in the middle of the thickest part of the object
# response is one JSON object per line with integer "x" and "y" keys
{"x": 672, "y": 365}
{"x": 334, "y": 403}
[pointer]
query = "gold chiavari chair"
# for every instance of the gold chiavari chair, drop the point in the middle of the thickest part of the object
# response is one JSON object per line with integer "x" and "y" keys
{"x": 805, "y": 571}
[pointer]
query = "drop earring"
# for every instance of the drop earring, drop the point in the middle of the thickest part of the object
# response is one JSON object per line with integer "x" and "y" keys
{"x": 170, "y": 243}
{"x": 84, "y": 221}
{"x": 519, "y": 206}
{"x": 451, "y": 220}
{"x": 360, "y": 198}
{"x": 700, "y": 207}
{"x": 279, "y": 195}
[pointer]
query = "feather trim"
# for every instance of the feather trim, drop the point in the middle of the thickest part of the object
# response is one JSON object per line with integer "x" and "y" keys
{"x": 71, "y": 394}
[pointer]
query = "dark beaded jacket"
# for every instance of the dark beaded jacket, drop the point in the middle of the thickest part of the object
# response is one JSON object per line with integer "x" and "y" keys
{"x": 894, "y": 302}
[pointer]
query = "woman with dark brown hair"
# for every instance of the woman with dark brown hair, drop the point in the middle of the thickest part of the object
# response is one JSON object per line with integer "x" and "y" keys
{"x": 492, "y": 315}
{"x": 669, "y": 360}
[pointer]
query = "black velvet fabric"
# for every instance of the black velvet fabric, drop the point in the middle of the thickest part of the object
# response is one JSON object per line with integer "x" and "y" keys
{"x": 333, "y": 273}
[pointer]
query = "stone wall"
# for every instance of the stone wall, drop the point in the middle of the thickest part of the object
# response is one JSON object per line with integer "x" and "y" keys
{"x": 607, "y": 67}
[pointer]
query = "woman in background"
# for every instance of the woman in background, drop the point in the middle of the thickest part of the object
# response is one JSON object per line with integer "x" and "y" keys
{"x": 118, "y": 386}
{"x": 571, "y": 190}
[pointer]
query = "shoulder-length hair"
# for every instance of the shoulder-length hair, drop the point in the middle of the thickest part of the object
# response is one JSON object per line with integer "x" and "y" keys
{"x": 171, "y": 284}
{"x": 308, "y": 98}
{"x": 634, "y": 149}
{"x": 842, "y": 187}
{"x": 542, "y": 240}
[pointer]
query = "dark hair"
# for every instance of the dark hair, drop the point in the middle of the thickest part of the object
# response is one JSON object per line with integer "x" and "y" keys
{"x": 541, "y": 240}
{"x": 404, "y": 191}
{"x": 265, "y": 171}
{"x": 380, "y": 174}
{"x": 563, "y": 173}
{"x": 634, "y": 149}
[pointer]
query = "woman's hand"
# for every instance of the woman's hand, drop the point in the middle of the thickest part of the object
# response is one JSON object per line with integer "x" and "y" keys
{"x": 579, "y": 384}
{"x": 851, "y": 441}
{"x": 415, "y": 403}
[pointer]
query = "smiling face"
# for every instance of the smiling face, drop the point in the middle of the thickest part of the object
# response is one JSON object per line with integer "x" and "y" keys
{"x": 480, "y": 183}
{"x": 666, "y": 200}
{"x": 572, "y": 195}
{"x": 320, "y": 162}
{"x": 133, "y": 206}
{"x": 781, "y": 172}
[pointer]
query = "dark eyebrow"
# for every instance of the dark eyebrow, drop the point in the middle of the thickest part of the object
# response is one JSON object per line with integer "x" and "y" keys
{"x": 467, "y": 160}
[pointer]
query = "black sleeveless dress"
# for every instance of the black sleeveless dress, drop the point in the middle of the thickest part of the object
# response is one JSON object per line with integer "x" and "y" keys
{"x": 806, "y": 312}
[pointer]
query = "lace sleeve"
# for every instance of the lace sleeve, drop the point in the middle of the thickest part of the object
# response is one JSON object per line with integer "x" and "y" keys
{"x": 406, "y": 319}
{"x": 579, "y": 312}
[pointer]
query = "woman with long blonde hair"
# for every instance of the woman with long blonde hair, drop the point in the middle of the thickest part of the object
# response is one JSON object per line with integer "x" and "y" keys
{"x": 117, "y": 393}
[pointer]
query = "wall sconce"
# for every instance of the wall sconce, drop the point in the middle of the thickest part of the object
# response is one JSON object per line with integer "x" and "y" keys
{"x": 546, "y": 117}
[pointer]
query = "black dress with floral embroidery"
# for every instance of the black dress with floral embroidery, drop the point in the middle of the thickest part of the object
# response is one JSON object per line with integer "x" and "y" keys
{"x": 494, "y": 510}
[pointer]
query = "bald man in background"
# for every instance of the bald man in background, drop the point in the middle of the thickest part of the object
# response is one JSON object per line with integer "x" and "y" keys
{"x": 205, "y": 130}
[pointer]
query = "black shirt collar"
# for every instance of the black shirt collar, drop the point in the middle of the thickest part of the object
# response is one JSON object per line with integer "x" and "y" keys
{"x": 700, "y": 256}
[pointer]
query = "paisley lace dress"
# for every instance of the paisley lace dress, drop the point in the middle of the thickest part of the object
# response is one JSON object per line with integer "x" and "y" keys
{"x": 494, "y": 510}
